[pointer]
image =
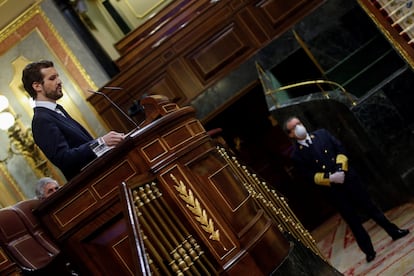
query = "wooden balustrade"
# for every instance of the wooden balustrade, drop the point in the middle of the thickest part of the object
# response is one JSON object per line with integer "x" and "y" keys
{"x": 395, "y": 18}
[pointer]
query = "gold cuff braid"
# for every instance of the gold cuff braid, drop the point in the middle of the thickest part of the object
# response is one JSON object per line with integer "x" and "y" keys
{"x": 321, "y": 180}
{"x": 343, "y": 161}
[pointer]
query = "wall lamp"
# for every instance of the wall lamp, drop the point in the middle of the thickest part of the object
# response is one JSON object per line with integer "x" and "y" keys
{"x": 20, "y": 139}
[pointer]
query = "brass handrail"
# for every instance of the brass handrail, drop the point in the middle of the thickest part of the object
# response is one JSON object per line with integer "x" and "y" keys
{"x": 303, "y": 83}
{"x": 270, "y": 92}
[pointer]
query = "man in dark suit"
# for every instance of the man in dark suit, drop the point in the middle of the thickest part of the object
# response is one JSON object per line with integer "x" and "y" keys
{"x": 63, "y": 140}
{"x": 322, "y": 160}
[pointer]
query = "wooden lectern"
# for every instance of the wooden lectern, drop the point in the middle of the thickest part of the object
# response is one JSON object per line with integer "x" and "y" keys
{"x": 191, "y": 199}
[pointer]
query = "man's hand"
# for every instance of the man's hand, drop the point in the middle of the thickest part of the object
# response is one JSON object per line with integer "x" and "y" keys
{"x": 337, "y": 177}
{"x": 113, "y": 138}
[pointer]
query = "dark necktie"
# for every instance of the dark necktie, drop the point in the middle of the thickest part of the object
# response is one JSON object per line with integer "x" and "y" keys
{"x": 59, "y": 109}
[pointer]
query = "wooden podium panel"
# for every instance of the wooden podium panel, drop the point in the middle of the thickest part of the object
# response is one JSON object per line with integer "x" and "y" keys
{"x": 86, "y": 215}
{"x": 7, "y": 266}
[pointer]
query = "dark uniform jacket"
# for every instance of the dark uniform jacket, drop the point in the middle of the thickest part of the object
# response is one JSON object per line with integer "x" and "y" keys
{"x": 327, "y": 155}
{"x": 324, "y": 156}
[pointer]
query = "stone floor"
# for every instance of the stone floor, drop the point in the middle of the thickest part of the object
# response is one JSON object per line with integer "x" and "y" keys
{"x": 337, "y": 243}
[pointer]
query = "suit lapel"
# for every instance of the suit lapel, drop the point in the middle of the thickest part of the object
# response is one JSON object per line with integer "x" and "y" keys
{"x": 68, "y": 121}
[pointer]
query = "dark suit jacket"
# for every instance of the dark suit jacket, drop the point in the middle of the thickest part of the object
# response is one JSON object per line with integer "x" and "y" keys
{"x": 63, "y": 140}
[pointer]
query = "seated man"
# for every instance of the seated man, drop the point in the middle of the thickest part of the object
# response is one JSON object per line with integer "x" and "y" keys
{"x": 45, "y": 187}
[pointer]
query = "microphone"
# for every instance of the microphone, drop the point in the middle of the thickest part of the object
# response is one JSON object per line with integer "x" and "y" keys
{"x": 113, "y": 103}
{"x": 113, "y": 88}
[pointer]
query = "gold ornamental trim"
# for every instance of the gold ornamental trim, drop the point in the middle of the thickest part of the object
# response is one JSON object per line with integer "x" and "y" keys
{"x": 193, "y": 204}
{"x": 18, "y": 22}
{"x": 33, "y": 11}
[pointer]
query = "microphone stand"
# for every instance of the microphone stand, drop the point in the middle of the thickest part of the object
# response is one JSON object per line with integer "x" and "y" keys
{"x": 113, "y": 103}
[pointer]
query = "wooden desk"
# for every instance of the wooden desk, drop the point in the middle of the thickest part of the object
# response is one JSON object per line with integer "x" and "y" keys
{"x": 86, "y": 215}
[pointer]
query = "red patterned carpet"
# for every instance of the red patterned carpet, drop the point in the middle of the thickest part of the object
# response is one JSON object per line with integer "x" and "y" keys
{"x": 394, "y": 258}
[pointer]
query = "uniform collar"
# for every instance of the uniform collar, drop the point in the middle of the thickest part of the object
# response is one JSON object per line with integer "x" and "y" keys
{"x": 303, "y": 141}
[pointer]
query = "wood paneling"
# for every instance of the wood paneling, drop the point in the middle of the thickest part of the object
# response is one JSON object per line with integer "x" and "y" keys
{"x": 86, "y": 216}
{"x": 191, "y": 45}
{"x": 7, "y": 266}
{"x": 216, "y": 53}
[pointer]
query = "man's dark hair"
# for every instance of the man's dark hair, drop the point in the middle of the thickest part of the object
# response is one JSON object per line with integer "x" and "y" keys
{"x": 31, "y": 73}
{"x": 285, "y": 129}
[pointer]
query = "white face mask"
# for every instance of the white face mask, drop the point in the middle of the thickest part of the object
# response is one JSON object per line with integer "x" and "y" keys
{"x": 300, "y": 131}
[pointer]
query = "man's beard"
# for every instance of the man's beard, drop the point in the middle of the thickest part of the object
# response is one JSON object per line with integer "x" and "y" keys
{"x": 54, "y": 95}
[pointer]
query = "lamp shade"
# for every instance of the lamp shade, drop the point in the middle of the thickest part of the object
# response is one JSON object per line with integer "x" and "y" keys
{"x": 6, "y": 120}
{"x": 4, "y": 103}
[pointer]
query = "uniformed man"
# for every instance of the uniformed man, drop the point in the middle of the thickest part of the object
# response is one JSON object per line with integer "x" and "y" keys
{"x": 322, "y": 160}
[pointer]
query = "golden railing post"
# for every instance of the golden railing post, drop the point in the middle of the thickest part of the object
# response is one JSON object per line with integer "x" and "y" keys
{"x": 171, "y": 249}
{"x": 272, "y": 203}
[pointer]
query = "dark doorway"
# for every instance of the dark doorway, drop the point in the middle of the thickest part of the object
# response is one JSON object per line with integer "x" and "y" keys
{"x": 260, "y": 143}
